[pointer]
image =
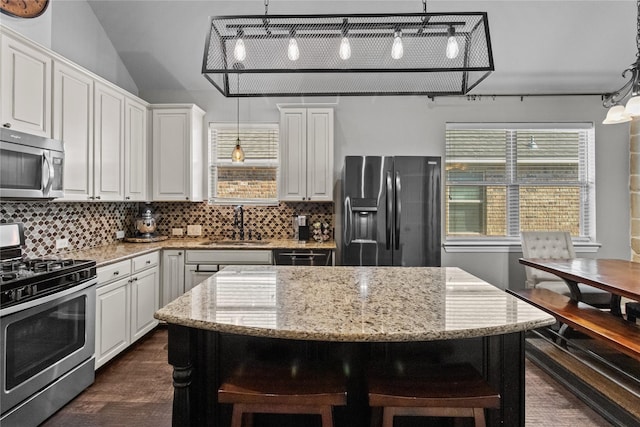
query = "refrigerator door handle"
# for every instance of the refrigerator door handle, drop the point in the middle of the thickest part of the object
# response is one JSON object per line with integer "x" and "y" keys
{"x": 398, "y": 215}
{"x": 388, "y": 209}
{"x": 348, "y": 218}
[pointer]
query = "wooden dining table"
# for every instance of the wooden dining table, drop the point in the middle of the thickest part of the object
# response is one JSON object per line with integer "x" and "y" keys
{"x": 619, "y": 277}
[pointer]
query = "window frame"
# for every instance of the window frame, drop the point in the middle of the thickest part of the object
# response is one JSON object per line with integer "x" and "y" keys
{"x": 212, "y": 179}
{"x": 586, "y": 178}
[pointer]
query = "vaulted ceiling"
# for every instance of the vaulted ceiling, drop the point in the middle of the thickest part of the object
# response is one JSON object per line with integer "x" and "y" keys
{"x": 539, "y": 47}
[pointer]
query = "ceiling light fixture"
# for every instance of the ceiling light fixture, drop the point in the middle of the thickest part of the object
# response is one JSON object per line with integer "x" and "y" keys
{"x": 617, "y": 113}
{"x": 237, "y": 155}
{"x": 328, "y": 41}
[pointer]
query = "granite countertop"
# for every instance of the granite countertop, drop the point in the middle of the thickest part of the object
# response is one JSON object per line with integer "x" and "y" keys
{"x": 109, "y": 254}
{"x": 351, "y": 304}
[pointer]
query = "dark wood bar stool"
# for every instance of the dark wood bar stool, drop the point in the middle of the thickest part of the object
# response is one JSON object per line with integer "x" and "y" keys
{"x": 431, "y": 391}
{"x": 283, "y": 389}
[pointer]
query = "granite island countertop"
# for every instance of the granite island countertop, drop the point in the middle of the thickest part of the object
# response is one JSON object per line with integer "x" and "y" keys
{"x": 109, "y": 254}
{"x": 352, "y": 304}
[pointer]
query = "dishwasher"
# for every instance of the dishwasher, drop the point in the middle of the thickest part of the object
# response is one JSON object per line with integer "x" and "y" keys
{"x": 317, "y": 257}
{"x": 202, "y": 264}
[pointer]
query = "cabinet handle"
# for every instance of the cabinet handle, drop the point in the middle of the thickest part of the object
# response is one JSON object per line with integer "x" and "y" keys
{"x": 179, "y": 253}
{"x": 7, "y": 125}
{"x": 127, "y": 198}
{"x": 91, "y": 197}
{"x": 148, "y": 261}
{"x": 135, "y": 279}
{"x": 186, "y": 198}
{"x": 97, "y": 197}
{"x": 115, "y": 273}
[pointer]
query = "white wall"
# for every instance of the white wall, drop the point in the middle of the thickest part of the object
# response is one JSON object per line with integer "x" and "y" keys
{"x": 71, "y": 29}
{"x": 416, "y": 126}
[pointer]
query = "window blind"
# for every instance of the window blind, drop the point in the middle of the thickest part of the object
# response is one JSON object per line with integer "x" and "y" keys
{"x": 502, "y": 179}
{"x": 254, "y": 180}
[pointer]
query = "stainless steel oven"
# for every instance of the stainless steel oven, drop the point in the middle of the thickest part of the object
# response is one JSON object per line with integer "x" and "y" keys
{"x": 47, "y": 336}
{"x": 31, "y": 167}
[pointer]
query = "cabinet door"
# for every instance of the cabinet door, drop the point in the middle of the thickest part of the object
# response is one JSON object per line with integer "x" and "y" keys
{"x": 135, "y": 159}
{"x": 73, "y": 124}
{"x": 171, "y": 154}
{"x": 293, "y": 154}
{"x": 320, "y": 154}
{"x": 172, "y": 275}
{"x": 109, "y": 144}
{"x": 25, "y": 86}
{"x": 145, "y": 300}
{"x": 112, "y": 320}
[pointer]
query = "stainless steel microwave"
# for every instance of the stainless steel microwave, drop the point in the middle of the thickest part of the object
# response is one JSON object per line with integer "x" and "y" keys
{"x": 31, "y": 167}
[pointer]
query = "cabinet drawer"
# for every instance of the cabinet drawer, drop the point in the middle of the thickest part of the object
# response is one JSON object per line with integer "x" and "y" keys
{"x": 112, "y": 272}
{"x": 145, "y": 261}
{"x": 230, "y": 256}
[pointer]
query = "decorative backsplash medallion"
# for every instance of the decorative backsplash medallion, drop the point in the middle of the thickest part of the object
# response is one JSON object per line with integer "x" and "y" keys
{"x": 88, "y": 225}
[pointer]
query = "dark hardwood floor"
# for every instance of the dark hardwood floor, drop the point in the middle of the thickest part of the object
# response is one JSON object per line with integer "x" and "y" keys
{"x": 135, "y": 390}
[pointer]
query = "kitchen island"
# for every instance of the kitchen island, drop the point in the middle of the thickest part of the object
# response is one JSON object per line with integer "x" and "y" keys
{"x": 356, "y": 314}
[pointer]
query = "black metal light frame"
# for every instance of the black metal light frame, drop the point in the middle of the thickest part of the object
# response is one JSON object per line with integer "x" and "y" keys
{"x": 424, "y": 68}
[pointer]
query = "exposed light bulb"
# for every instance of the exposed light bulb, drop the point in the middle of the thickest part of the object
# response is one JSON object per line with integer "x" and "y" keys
{"x": 452, "y": 44}
{"x": 237, "y": 155}
{"x": 345, "y": 49}
{"x": 293, "y": 52}
{"x": 397, "y": 50}
{"x": 240, "y": 52}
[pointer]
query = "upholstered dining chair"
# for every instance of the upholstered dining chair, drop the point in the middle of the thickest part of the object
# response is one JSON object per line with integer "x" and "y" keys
{"x": 556, "y": 245}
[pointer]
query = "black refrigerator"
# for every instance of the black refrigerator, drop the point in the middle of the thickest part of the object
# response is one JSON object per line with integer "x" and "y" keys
{"x": 391, "y": 211}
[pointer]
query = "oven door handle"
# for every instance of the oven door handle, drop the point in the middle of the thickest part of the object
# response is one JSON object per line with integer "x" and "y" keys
{"x": 39, "y": 301}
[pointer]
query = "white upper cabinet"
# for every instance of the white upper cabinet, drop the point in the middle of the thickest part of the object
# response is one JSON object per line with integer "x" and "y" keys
{"x": 73, "y": 124}
{"x": 306, "y": 154}
{"x": 25, "y": 87}
{"x": 136, "y": 152}
{"x": 108, "y": 144}
{"x": 178, "y": 154}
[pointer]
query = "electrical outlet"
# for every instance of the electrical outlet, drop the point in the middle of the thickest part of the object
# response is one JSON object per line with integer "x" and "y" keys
{"x": 177, "y": 231}
{"x": 120, "y": 234}
{"x": 194, "y": 230}
{"x": 62, "y": 243}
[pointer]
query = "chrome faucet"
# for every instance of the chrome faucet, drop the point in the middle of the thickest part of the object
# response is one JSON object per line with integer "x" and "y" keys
{"x": 238, "y": 220}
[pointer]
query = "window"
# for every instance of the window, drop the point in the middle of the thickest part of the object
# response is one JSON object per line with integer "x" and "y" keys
{"x": 253, "y": 181}
{"x": 505, "y": 178}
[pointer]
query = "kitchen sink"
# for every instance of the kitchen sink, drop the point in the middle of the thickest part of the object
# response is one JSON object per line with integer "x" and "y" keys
{"x": 235, "y": 243}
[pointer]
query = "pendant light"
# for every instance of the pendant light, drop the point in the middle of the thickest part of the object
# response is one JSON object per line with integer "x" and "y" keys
{"x": 237, "y": 155}
{"x": 349, "y": 54}
{"x": 617, "y": 113}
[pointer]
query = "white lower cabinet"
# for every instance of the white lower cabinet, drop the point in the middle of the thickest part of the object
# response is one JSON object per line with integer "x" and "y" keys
{"x": 128, "y": 295}
{"x": 172, "y": 275}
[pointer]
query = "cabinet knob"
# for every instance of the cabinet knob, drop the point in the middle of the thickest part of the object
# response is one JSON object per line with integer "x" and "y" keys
{"x": 187, "y": 198}
{"x": 127, "y": 198}
{"x": 7, "y": 125}
{"x": 179, "y": 253}
{"x": 97, "y": 197}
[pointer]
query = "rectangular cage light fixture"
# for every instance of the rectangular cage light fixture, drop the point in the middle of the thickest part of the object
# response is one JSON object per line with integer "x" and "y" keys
{"x": 433, "y": 54}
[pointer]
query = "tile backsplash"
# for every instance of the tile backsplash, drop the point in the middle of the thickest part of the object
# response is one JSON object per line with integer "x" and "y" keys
{"x": 87, "y": 225}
